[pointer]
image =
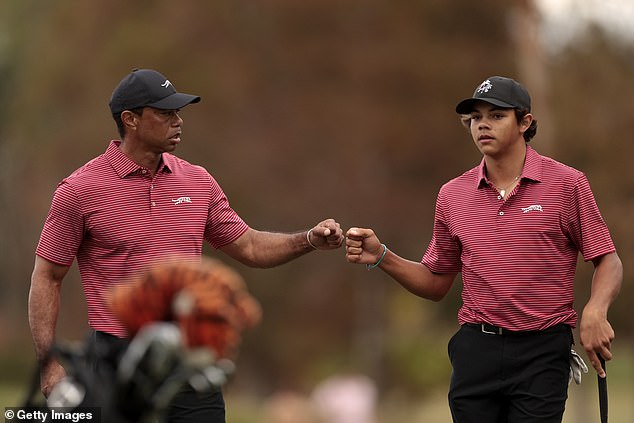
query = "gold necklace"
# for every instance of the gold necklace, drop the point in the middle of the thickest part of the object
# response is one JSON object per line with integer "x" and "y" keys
{"x": 503, "y": 190}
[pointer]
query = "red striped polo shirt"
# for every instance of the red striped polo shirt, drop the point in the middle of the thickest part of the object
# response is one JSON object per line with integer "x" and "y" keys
{"x": 517, "y": 256}
{"x": 117, "y": 220}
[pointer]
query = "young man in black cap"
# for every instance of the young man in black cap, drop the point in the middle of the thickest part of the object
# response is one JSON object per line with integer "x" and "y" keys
{"x": 136, "y": 205}
{"x": 513, "y": 226}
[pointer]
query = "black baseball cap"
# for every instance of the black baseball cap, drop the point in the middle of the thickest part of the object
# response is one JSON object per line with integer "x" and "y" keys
{"x": 147, "y": 87}
{"x": 499, "y": 91}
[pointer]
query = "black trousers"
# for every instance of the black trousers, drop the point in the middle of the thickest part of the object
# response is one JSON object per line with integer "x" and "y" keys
{"x": 509, "y": 378}
{"x": 188, "y": 406}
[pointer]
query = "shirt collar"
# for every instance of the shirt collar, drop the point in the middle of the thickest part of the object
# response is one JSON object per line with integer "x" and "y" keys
{"x": 124, "y": 166}
{"x": 532, "y": 168}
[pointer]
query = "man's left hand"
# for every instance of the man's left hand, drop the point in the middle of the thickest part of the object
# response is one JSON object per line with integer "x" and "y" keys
{"x": 326, "y": 235}
{"x": 596, "y": 336}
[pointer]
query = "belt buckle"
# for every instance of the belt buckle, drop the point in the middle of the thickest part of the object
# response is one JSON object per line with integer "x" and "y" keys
{"x": 484, "y": 330}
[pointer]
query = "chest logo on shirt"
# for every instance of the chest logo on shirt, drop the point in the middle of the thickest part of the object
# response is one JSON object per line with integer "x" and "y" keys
{"x": 534, "y": 207}
{"x": 181, "y": 200}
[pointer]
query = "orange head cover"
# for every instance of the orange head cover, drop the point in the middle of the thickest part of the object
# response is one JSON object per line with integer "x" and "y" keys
{"x": 208, "y": 301}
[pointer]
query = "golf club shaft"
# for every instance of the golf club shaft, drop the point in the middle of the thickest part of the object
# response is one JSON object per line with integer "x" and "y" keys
{"x": 603, "y": 394}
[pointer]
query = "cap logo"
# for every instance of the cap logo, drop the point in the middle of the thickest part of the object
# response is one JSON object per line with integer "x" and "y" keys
{"x": 166, "y": 84}
{"x": 484, "y": 87}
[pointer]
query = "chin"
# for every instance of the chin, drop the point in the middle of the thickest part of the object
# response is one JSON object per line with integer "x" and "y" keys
{"x": 170, "y": 147}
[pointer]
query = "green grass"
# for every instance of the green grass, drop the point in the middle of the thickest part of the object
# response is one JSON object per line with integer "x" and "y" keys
{"x": 11, "y": 395}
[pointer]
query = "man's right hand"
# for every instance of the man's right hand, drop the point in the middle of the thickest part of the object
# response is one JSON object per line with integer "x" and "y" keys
{"x": 50, "y": 375}
{"x": 363, "y": 246}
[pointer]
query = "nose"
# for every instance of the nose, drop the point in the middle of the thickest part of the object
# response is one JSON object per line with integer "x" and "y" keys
{"x": 483, "y": 123}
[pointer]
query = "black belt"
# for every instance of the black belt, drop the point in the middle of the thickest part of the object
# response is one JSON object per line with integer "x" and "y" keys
{"x": 496, "y": 330}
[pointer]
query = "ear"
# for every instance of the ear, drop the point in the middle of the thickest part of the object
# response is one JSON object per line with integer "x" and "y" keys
{"x": 129, "y": 119}
{"x": 526, "y": 121}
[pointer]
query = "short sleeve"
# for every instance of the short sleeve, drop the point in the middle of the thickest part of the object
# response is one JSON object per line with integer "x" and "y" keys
{"x": 224, "y": 225}
{"x": 585, "y": 225}
{"x": 63, "y": 229}
{"x": 443, "y": 252}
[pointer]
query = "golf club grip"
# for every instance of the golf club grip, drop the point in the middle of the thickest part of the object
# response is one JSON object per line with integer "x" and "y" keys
{"x": 603, "y": 394}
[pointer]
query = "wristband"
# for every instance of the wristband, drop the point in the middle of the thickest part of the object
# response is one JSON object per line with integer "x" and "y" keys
{"x": 372, "y": 266}
{"x": 308, "y": 239}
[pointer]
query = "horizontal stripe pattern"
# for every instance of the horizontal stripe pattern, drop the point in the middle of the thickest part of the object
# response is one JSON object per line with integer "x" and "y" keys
{"x": 118, "y": 220}
{"x": 517, "y": 256}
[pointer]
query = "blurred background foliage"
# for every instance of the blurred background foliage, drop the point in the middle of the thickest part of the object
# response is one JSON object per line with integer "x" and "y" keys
{"x": 311, "y": 109}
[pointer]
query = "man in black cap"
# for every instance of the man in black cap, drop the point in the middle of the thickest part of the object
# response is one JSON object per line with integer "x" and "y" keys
{"x": 513, "y": 226}
{"x": 136, "y": 205}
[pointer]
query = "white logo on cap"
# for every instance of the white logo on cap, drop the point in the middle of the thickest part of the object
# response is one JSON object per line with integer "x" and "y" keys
{"x": 484, "y": 87}
{"x": 166, "y": 84}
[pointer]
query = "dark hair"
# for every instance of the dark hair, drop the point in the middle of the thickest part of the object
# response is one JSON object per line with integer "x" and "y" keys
{"x": 119, "y": 122}
{"x": 532, "y": 130}
{"x": 519, "y": 115}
